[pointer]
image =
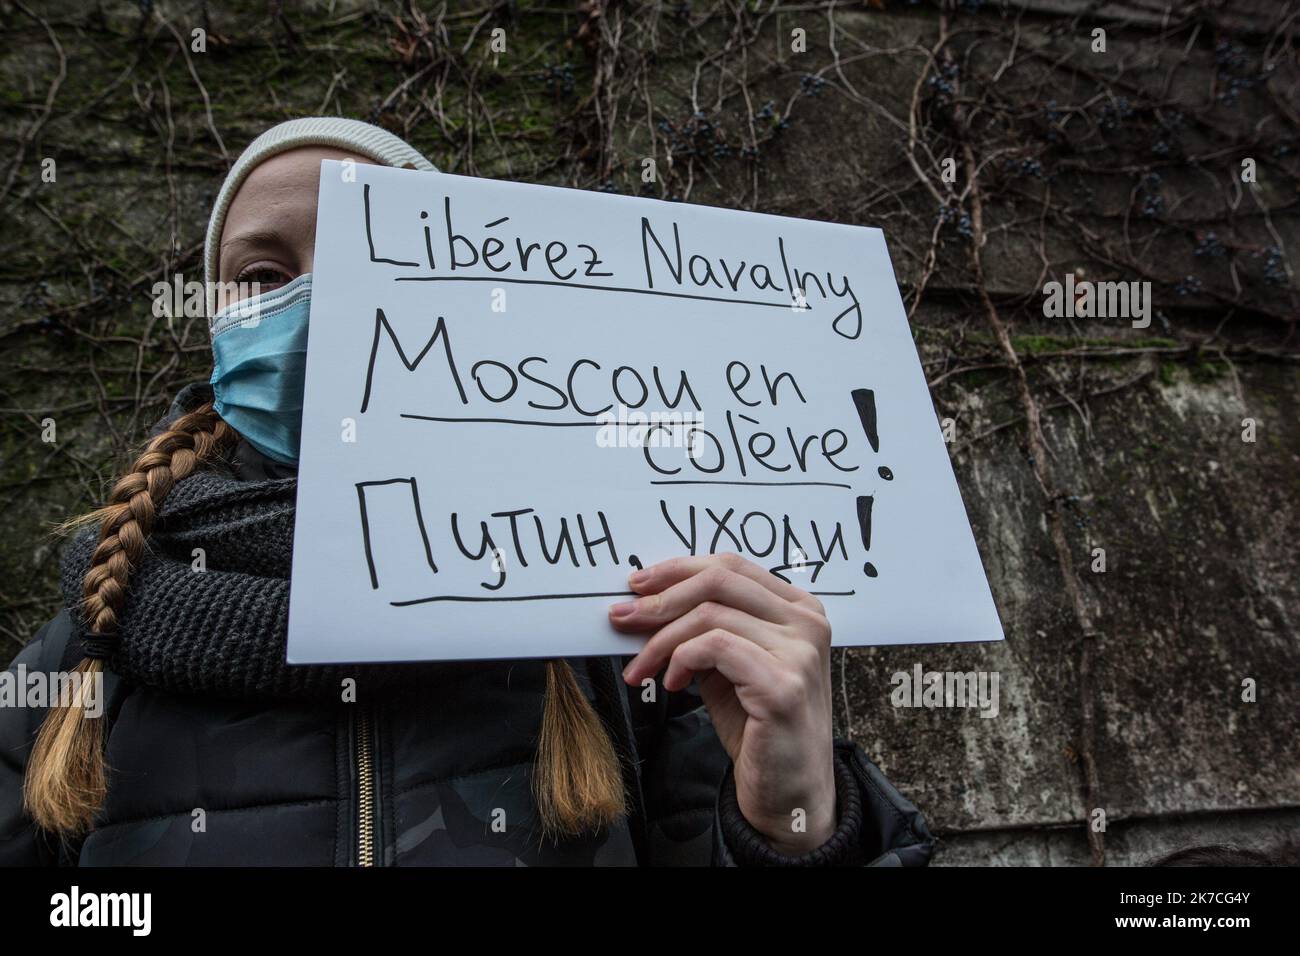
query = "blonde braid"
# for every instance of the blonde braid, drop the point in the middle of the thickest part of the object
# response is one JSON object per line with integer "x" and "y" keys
{"x": 577, "y": 779}
{"x": 65, "y": 781}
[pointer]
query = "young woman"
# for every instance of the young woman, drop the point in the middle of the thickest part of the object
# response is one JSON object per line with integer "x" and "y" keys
{"x": 210, "y": 749}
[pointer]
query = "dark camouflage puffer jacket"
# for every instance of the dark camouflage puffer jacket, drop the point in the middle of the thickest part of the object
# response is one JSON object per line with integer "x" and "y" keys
{"x": 438, "y": 779}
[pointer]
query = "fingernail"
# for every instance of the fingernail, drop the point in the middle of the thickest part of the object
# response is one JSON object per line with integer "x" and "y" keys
{"x": 638, "y": 577}
{"x": 623, "y": 610}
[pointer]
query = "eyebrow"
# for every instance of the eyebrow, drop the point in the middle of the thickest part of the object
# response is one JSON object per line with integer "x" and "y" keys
{"x": 259, "y": 237}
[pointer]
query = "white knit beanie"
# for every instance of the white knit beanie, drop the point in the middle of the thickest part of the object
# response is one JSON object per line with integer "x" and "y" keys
{"x": 335, "y": 131}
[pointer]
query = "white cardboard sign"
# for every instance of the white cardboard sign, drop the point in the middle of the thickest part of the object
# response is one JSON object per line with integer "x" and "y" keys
{"x": 517, "y": 394}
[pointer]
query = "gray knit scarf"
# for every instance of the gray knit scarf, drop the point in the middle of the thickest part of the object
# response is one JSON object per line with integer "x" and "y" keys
{"x": 222, "y": 630}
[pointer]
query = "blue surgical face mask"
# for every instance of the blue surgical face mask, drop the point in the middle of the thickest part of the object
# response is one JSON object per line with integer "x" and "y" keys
{"x": 260, "y": 351}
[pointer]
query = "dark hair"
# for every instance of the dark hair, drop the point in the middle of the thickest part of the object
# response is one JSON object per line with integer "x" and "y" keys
{"x": 1225, "y": 854}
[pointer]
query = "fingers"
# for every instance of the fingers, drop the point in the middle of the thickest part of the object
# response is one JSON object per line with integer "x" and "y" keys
{"x": 726, "y": 598}
{"x": 714, "y": 582}
{"x": 740, "y": 661}
{"x": 659, "y": 576}
{"x": 699, "y": 620}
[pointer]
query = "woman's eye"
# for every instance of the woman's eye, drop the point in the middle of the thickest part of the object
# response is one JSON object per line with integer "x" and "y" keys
{"x": 266, "y": 277}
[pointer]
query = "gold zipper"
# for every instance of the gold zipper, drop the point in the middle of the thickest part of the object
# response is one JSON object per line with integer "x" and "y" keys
{"x": 365, "y": 794}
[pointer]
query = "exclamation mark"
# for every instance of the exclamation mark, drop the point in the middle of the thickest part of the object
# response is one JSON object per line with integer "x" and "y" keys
{"x": 864, "y": 400}
{"x": 864, "y": 523}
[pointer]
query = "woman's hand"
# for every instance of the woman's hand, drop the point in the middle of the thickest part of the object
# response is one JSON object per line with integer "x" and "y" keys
{"x": 762, "y": 648}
